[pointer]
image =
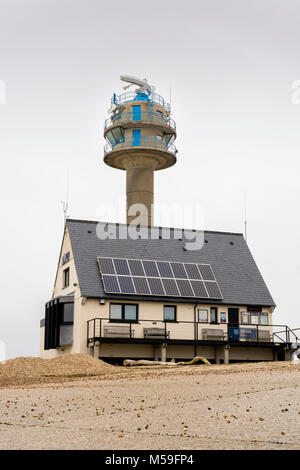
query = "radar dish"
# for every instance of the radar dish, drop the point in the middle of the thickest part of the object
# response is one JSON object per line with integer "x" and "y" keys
{"x": 141, "y": 83}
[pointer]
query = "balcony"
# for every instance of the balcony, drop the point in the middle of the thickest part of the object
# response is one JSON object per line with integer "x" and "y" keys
{"x": 149, "y": 117}
{"x": 143, "y": 142}
{"x": 189, "y": 332}
{"x": 136, "y": 96}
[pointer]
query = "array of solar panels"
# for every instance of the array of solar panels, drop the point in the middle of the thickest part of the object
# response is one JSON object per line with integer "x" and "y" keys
{"x": 160, "y": 278}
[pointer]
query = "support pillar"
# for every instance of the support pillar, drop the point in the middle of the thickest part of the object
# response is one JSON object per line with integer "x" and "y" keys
{"x": 156, "y": 352}
{"x": 163, "y": 352}
{"x": 97, "y": 349}
{"x": 226, "y": 354}
{"x": 217, "y": 355}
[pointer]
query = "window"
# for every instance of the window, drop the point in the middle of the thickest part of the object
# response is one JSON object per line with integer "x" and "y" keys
{"x": 66, "y": 277}
{"x": 213, "y": 315}
{"x": 68, "y": 313}
{"x": 222, "y": 317}
{"x": 203, "y": 316}
{"x": 245, "y": 318}
{"x": 65, "y": 258}
{"x": 123, "y": 312}
{"x": 169, "y": 312}
{"x": 264, "y": 319}
{"x": 254, "y": 318}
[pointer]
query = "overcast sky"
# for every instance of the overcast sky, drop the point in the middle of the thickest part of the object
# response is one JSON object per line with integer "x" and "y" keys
{"x": 230, "y": 64}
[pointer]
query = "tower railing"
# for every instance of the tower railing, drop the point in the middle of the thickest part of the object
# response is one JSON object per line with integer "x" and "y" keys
{"x": 148, "y": 142}
{"x": 147, "y": 116}
{"x": 135, "y": 96}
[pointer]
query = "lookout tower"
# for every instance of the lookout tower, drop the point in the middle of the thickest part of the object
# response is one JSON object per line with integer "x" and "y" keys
{"x": 140, "y": 134}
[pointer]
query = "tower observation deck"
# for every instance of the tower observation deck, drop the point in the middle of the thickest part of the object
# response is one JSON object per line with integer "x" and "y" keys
{"x": 140, "y": 134}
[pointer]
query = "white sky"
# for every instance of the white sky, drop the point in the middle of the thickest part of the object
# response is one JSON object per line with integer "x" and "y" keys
{"x": 230, "y": 65}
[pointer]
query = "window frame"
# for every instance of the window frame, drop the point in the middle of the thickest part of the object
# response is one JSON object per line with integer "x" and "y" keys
{"x": 175, "y": 314}
{"x": 216, "y": 320}
{"x": 63, "y": 322}
{"x": 66, "y": 278}
{"x": 123, "y": 319}
{"x": 202, "y": 310}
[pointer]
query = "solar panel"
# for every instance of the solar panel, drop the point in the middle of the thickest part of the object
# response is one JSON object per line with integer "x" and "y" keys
{"x": 199, "y": 289}
{"x": 185, "y": 288}
{"x": 106, "y": 266}
{"x": 141, "y": 285}
{"x": 170, "y": 287}
{"x": 150, "y": 268}
{"x": 192, "y": 271}
{"x": 178, "y": 270}
{"x": 213, "y": 290}
{"x": 126, "y": 285}
{"x": 110, "y": 284}
{"x": 161, "y": 278}
{"x": 164, "y": 269}
{"x": 156, "y": 287}
{"x": 136, "y": 267}
{"x": 121, "y": 266}
{"x": 206, "y": 272}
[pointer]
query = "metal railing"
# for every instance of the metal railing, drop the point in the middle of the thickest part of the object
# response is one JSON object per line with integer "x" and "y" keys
{"x": 142, "y": 142}
{"x": 145, "y": 116}
{"x": 99, "y": 328}
{"x": 136, "y": 96}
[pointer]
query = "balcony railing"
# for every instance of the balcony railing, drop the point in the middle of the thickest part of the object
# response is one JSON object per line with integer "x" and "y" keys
{"x": 190, "y": 331}
{"x": 142, "y": 142}
{"x": 135, "y": 96}
{"x": 144, "y": 116}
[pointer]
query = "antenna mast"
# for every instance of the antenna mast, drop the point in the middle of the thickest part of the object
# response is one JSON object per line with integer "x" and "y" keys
{"x": 245, "y": 213}
{"x": 65, "y": 204}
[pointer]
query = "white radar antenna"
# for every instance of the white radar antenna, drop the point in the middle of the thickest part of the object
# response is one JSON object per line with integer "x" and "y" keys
{"x": 141, "y": 83}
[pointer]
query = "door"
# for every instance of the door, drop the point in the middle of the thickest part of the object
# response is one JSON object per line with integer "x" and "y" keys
{"x": 136, "y": 113}
{"x": 136, "y": 137}
{"x": 233, "y": 324}
{"x": 233, "y": 316}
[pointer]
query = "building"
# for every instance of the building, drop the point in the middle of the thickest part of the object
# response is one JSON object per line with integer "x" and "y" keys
{"x": 149, "y": 296}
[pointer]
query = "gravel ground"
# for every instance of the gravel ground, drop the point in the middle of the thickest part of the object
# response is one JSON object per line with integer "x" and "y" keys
{"x": 248, "y": 406}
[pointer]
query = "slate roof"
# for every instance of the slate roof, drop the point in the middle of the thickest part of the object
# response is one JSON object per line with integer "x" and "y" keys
{"x": 235, "y": 269}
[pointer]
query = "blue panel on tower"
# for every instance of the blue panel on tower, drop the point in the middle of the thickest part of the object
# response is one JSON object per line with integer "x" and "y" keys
{"x": 136, "y": 137}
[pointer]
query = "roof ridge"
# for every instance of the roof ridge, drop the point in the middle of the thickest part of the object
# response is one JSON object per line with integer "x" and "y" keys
{"x": 156, "y": 226}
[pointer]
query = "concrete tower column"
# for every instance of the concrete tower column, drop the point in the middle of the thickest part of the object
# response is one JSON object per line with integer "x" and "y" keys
{"x": 139, "y": 192}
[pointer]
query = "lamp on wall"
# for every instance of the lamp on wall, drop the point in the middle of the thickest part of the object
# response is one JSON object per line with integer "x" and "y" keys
{"x": 83, "y": 300}
{"x": 102, "y": 301}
